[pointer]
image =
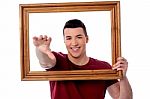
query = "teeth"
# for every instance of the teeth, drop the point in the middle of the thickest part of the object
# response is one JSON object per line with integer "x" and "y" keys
{"x": 75, "y": 49}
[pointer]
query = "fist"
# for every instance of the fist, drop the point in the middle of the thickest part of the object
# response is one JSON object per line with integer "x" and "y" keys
{"x": 121, "y": 64}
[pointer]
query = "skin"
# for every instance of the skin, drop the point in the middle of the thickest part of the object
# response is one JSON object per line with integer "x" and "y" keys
{"x": 75, "y": 41}
{"x": 42, "y": 43}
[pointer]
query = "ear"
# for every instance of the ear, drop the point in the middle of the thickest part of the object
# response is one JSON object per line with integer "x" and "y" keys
{"x": 87, "y": 39}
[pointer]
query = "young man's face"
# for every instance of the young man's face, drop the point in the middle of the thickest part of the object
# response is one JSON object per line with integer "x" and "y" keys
{"x": 75, "y": 41}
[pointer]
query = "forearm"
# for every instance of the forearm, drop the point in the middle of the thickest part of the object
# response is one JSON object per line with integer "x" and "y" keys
{"x": 46, "y": 60}
{"x": 125, "y": 89}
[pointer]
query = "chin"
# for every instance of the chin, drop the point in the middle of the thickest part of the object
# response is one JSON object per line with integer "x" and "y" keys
{"x": 74, "y": 55}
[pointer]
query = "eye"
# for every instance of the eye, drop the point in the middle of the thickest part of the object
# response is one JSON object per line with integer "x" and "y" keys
{"x": 68, "y": 38}
{"x": 79, "y": 37}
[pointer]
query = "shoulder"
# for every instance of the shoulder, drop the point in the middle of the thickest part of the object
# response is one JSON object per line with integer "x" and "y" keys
{"x": 59, "y": 54}
{"x": 61, "y": 61}
{"x": 100, "y": 63}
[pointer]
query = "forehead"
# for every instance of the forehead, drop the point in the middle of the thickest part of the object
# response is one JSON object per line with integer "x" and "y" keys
{"x": 73, "y": 31}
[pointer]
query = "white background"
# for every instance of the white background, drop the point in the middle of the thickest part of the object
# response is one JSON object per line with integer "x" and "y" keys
{"x": 98, "y": 25}
{"x": 135, "y": 30}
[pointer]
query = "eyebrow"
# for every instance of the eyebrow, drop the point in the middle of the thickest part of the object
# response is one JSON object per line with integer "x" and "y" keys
{"x": 79, "y": 35}
{"x": 76, "y": 35}
{"x": 67, "y": 36}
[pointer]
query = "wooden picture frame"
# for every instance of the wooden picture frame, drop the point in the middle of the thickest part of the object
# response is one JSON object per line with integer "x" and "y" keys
{"x": 106, "y": 74}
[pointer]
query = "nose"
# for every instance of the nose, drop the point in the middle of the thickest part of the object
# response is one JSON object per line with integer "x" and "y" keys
{"x": 74, "y": 42}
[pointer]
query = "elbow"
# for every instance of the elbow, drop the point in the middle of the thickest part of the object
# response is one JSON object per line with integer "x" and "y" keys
{"x": 48, "y": 63}
{"x": 47, "y": 66}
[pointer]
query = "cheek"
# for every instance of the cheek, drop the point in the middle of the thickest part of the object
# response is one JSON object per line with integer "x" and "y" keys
{"x": 83, "y": 42}
{"x": 67, "y": 44}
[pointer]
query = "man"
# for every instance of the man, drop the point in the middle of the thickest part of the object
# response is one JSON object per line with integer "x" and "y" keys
{"x": 75, "y": 39}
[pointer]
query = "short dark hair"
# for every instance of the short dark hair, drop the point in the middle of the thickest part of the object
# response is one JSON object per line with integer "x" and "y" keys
{"x": 75, "y": 23}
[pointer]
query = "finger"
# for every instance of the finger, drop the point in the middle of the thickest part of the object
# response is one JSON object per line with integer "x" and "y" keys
{"x": 45, "y": 37}
{"x": 35, "y": 41}
{"x": 40, "y": 37}
{"x": 119, "y": 66}
{"x": 121, "y": 58}
{"x": 121, "y": 61}
{"x": 35, "y": 38}
{"x": 115, "y": 67}
{"x": 120, "y": 69}
{"x": 49, "y": 39}
{"x": 118, "y": 63}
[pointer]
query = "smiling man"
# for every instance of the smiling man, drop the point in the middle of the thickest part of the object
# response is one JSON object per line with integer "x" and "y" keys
{"x": 75, "y": 39}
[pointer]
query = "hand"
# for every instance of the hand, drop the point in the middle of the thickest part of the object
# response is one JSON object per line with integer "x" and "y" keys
{"x": 121, "y": 64}
{"x": 42, "y": 43}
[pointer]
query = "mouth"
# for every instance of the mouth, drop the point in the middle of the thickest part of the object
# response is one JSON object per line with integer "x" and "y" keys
{"x": 75, "y": 49}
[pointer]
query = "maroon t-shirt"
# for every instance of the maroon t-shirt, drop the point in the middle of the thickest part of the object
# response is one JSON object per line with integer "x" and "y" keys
{"x": 79, "y": 89}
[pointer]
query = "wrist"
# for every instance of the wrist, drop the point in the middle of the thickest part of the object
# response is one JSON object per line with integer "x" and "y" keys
{"x": 123, "y": 78}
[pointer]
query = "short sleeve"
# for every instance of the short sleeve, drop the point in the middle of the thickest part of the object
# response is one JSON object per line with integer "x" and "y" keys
{"x": 60, "y": 61}
{"x": 110, "y": 82}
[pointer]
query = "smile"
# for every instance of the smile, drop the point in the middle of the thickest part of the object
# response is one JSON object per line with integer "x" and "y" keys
{"x": 75, "y": 48}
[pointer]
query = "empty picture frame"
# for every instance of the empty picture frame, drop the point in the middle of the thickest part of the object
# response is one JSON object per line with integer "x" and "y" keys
{"x": 105, "y": 74}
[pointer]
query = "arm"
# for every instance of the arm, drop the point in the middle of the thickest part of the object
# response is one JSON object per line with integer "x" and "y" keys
{"x": 121, "y": 89}
{"x": 46, "y": 60}
{"x": 43, "y": 52}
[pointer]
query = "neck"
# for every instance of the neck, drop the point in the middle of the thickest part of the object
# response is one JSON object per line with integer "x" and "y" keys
{"x": 82, "y": 60}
